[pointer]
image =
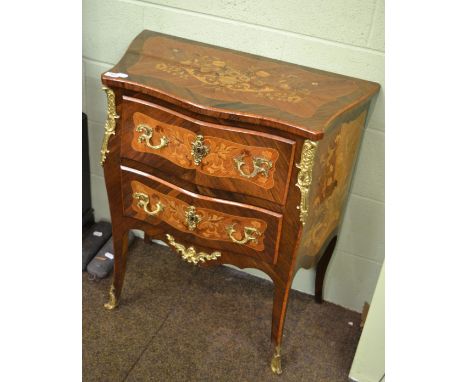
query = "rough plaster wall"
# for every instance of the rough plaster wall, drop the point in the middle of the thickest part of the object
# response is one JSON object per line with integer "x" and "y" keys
{"x": 342, "y": 36}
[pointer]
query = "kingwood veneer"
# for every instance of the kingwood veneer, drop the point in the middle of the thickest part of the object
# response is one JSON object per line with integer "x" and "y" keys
{"x": 230, "y": 158}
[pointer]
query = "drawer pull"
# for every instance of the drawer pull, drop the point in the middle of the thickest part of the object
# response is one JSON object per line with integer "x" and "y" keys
{"x": 199, "y": 149}
{"x": 191, "y": 218}
{"x": 250, "y": 234}
{"x": 189, "y": 254}
{"x": 144, "y": 201}
{"x": 147, "y": 134}
{"x": 261, "y": 166}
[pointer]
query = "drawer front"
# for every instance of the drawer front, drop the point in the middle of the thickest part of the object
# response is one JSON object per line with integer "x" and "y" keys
{"x": 210, "y": 222}
{"x": 210, "y": 155}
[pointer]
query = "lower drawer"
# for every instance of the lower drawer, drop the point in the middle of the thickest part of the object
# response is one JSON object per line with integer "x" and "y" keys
{"x": 210, "y": 222}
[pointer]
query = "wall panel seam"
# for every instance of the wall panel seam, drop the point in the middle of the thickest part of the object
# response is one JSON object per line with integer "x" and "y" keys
{"x": 353, "y": 193}
{"x": 243, "y": 23}
{"x": 93, "y": 61}
{"x": 347, "y": 253}
{"x": 375, "y": 130}
{"x": 369, "y": 33}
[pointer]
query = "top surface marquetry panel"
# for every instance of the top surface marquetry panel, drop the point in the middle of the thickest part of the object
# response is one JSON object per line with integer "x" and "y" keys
{"x": 222, "y": 82}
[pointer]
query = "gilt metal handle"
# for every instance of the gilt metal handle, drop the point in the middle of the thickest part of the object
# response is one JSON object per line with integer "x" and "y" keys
{"x": 261, "y": 166}
{"x": 250, "y": 234}
{"x": 147, "y": 134}
{"x": 144, "y": 201}
{"x": 189, "y": 254}
{"x": 199, "y": 149}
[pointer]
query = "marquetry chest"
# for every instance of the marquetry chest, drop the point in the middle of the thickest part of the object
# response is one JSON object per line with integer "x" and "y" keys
{"x": 230, "y": 158}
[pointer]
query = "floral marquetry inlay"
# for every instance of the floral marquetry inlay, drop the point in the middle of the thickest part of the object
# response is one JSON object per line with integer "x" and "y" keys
{"x": 224, "y": 76}
{"x": 221, "y": 76}
{"x": 335, "y": 159}
{"x": 219, "y": 158}
{"x": 210, "y": 224}
{"x": 231, "y": 158}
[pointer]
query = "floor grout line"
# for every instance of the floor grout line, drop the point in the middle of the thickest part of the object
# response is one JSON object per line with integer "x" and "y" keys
{"x": 146, "y": 347}
{"x": 155, "y": 334}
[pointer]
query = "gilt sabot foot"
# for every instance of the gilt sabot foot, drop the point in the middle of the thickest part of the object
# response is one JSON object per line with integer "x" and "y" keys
{"x": 276, "y": 361}
{"x": 113, "y": 301}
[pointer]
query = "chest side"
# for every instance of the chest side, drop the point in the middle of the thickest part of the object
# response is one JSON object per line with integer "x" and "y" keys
{"x": 331, "y": 174}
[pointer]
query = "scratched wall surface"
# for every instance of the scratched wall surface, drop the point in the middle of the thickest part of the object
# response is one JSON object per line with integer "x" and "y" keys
{"x": 342, "y": 36}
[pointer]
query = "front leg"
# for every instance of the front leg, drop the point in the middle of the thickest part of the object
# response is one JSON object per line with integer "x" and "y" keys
{"x": 280, "y": 304}
{"x": 120, "y": 241}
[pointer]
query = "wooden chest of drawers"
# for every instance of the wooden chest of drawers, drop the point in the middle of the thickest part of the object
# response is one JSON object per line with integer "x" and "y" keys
{"x": 230, "y": 158}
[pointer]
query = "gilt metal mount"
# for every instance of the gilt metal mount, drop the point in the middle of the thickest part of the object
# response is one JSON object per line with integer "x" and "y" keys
{"x": 144, "y": 203}
{"x": 199, "y": 149}
{"x": 260, "y": 166}
{"x": 276, "y": 361}
{"x": 146, "y": 134}
{"x": 192, "y": 219}
{"x": 113, "y": 302}
{"x": 304, "y": 178}
{"x": 250, "y": 234}
{"x": 109, "y": 127}
{"x": 189, "y": 254}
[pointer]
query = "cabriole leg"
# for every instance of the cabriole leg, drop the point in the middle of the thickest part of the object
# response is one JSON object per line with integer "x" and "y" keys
{"x": 280, "y": 304}
{"x": 120, "y": 241}
{"x": 322, "y": 269}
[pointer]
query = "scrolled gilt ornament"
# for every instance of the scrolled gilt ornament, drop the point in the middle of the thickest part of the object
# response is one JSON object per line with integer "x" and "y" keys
{"x": 250, "y": 234}
{"x": 109, "y": 127}
{"x": 146, "y": 134}
{"x": 261, "y": 166}
{"x": 189, "y": 254}
{"x": 304, "y": 178}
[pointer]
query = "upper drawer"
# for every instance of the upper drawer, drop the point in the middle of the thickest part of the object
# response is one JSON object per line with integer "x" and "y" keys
{"x": 215, "y": 156}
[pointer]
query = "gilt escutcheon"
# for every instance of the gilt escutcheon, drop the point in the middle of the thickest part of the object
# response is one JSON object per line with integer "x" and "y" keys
{"x": 192, "y": 219}
{"x": 199, "y": 149}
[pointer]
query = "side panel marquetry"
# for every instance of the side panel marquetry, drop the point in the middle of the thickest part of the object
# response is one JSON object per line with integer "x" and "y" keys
{"x": 218, "y": 223}
{"x": 219, "y": 157}
{"x": 332, "y": 172}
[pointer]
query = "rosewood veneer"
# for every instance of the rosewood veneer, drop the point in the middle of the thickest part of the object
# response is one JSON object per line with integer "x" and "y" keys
{"x": 230, "y": 158}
